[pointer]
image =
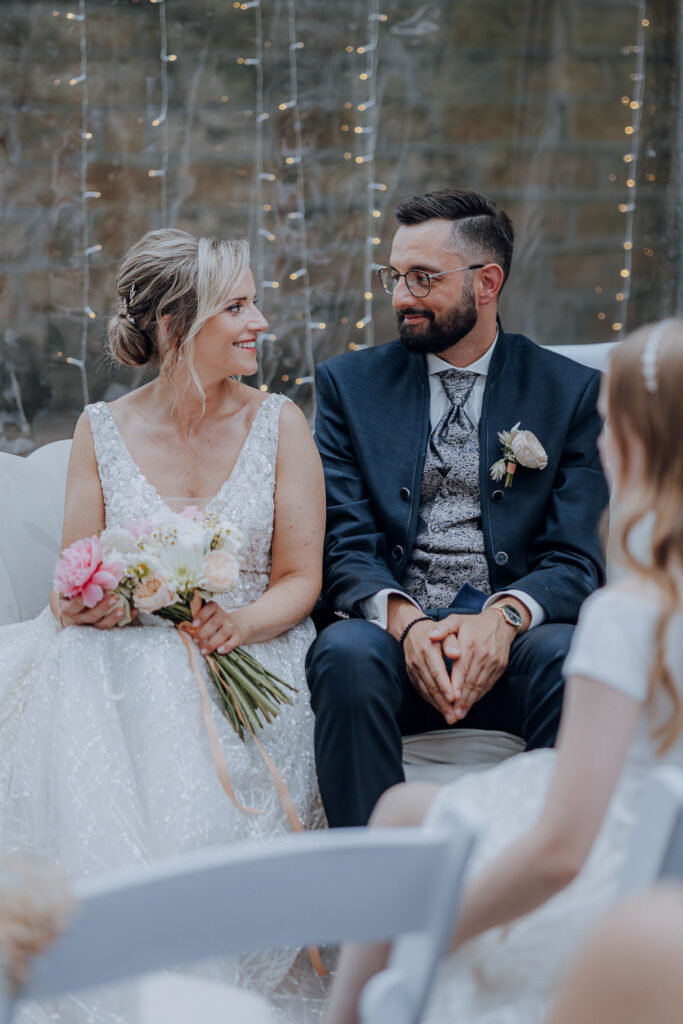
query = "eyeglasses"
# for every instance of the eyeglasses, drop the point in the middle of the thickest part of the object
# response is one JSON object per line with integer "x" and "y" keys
{"x": 418, "y": 282}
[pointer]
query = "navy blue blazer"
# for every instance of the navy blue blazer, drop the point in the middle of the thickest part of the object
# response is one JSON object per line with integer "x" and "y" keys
{"x": 540, "y": 534}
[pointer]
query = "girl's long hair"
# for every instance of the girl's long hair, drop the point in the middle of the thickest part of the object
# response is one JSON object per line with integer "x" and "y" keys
{"x": 648, "y": 424}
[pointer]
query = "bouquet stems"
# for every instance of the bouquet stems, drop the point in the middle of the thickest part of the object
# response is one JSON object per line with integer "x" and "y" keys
{"x": 248, "y": 691}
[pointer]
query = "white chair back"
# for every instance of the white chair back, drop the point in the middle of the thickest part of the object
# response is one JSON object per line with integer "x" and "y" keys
{"x": 656, "y": 851}
{"x": 32, "y": 501}
{"x": 321, "y": 888}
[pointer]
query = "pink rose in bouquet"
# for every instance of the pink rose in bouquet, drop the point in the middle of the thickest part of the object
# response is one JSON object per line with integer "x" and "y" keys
{"x": 81, "y": 572}
{"x": 221, "y": 571}
{"x": 154, "y": 593}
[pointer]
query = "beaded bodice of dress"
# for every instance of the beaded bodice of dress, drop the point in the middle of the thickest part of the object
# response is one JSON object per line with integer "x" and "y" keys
{"x": 246, "y": 498}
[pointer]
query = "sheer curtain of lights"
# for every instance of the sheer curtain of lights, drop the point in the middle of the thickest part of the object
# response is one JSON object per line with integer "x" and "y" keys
{"x": 299, "y": 125}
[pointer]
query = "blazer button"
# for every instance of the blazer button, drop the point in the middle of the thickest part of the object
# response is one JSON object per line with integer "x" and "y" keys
{"x": 501, "y": 557}
{"x": 404, "y": 494}
{"x": 497, "y": 496}
{"x": 397, "y": 552}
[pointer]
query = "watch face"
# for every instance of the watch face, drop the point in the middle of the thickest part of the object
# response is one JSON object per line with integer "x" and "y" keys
{"x": 514, "y": 617}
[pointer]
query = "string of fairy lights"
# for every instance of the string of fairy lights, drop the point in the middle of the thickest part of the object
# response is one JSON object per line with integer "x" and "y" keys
{"x": 369, "y": 108}
{"x": 86, "y": 194}
{"x": 628, "y": 207}
{"x": 161, "y": 119}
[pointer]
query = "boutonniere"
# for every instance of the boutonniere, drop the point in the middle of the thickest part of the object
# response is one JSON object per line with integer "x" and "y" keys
{"x": 519, "y": 446}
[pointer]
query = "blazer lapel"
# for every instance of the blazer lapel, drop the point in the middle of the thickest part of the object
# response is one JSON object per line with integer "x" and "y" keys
{"x": 398, "y": 409}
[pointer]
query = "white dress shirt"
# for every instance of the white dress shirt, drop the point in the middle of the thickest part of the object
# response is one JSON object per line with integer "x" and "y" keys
{"x": 374, "y": 607}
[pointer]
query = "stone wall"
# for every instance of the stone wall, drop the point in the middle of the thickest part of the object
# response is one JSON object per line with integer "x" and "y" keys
{"x": 527, "y": 100}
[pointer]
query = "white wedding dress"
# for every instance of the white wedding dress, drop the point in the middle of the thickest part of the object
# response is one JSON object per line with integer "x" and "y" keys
{"x": 104, "y": 756}
{"x": 507, "y": 975}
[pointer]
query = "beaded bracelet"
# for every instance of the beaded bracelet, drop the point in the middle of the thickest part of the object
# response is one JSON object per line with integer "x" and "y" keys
{"x": 407, "y": 629}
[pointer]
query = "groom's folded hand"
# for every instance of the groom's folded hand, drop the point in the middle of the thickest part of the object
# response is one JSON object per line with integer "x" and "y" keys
{"x": 427, "y": 669}
{"x": 479, "y": 646}
{"x": 424, "y": 660}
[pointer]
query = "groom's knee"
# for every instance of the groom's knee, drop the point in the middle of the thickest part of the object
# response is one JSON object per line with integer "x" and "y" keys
{"x": 352, "y": 664}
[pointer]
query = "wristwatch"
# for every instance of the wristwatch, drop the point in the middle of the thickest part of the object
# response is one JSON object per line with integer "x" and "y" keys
{"x": 511, "y": 615}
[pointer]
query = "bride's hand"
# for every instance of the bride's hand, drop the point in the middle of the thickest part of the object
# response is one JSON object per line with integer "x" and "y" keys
{"x": 215, "y": 630}
{"x": 109, "y": 612}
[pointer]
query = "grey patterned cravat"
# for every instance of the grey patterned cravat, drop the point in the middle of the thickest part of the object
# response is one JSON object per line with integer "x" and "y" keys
{"x": 455, "y": 426}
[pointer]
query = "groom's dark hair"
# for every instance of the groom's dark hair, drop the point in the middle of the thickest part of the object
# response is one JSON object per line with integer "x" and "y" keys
{"x": 480, "y": 229}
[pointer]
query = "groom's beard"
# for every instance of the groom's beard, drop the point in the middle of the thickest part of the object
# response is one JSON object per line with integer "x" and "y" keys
{"x": 439, "y": 334}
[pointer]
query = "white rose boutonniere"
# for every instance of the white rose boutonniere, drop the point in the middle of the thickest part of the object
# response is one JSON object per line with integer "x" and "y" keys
{"x": 519, "y": 447}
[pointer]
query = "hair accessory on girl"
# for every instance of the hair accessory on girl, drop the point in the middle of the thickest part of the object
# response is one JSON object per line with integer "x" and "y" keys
{"x": 650, "y": 353}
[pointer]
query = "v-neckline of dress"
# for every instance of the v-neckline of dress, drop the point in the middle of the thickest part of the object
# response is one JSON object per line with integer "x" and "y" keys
{"x": 153, "y": 490}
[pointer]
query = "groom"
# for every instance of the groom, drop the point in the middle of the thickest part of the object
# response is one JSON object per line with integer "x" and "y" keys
{"x": 456, "y": 589}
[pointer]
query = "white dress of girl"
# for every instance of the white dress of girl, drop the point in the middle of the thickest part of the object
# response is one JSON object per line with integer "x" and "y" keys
{"x": 507, "y": 975}
{"x": 104, "y": 756}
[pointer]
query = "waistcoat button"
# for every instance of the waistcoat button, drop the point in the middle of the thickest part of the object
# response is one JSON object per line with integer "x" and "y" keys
{"x": 404, "y": 494}
{"x": 497, "y": 496}
{"x": 397, "y": 552}
{"x": 501, "y": 557}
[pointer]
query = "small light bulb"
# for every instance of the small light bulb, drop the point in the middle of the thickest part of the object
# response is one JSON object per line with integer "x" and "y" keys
{"x": 628, "y": 245}
{"x": 616, "y": 327}
{"x": 263, "y": 387}
{"x": 624, "y": 272}
{"x": 601, "y": 316}
{"x": 367, "y": 295}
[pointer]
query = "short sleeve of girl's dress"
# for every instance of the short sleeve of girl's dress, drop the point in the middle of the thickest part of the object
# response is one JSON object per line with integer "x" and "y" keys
{"x": 614, "y": 640}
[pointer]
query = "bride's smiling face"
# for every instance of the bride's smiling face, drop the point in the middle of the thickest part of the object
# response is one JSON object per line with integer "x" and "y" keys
{"x": 226, "y": 344}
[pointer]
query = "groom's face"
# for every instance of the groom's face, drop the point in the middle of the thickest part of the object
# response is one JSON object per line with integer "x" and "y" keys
{"x": 437, "y": 321}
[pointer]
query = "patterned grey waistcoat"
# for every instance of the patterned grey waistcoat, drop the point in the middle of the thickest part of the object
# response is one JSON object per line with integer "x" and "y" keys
{"x": 449, "y": 544}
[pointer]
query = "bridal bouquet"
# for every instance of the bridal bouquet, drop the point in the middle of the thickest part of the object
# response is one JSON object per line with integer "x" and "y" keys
{"x": 168, "y": 567}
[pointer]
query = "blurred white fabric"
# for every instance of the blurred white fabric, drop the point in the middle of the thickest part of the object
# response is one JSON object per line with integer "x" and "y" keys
{"x": 181, "y": 999}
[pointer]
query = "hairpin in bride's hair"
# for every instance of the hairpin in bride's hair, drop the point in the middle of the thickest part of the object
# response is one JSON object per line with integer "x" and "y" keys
{"x": 126, "y": 310}
{"x": 650, "y": 353}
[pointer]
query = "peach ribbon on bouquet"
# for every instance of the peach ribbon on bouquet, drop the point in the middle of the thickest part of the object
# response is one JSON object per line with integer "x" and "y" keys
{"x": 186, "y": 631}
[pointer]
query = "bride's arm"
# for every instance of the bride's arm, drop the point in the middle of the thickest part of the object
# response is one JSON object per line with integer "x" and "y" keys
{"x": 298, "y": 531}
{"x": 598, "y": 725}
{"x": 83, "y": 517}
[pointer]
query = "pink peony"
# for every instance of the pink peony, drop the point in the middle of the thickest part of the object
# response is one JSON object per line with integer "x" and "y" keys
{"x": 153, "y": 593}
{"x": 81, "y": 572}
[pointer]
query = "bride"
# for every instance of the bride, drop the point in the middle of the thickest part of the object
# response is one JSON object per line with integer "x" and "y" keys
{"x": 554, "y": 826}
{"x": 104, "y": 756}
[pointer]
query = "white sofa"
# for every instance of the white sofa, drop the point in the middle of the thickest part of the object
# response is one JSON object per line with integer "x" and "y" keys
{"x": 31, "y": 513}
